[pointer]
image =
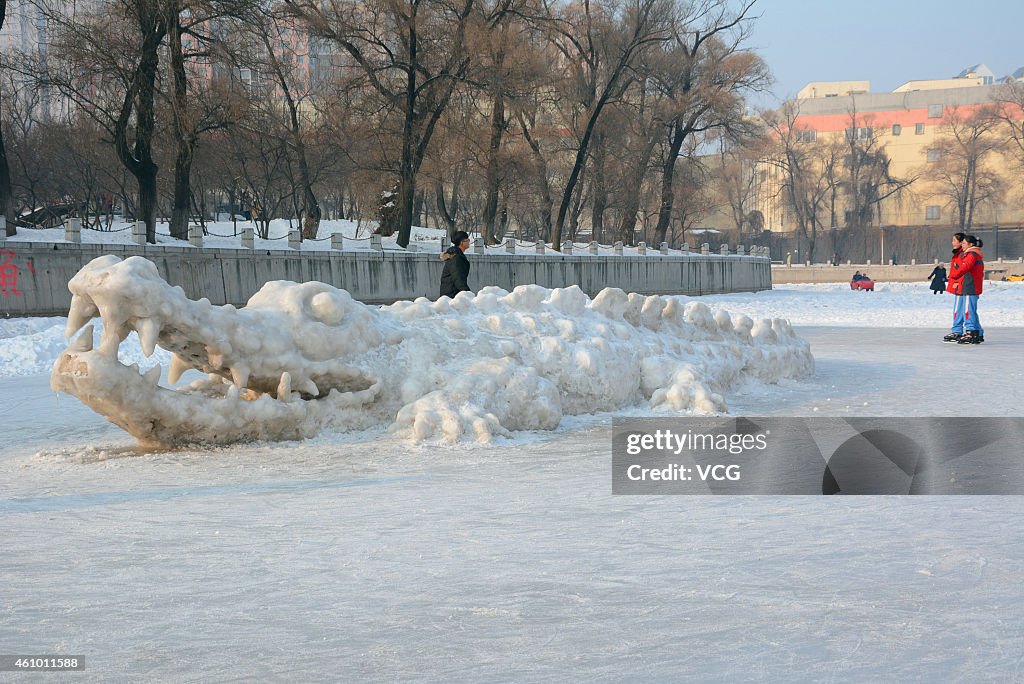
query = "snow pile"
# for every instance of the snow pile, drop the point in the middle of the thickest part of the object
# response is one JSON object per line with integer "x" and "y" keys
{"x": 302, "y": 357}
{"x": 29, "y": 345}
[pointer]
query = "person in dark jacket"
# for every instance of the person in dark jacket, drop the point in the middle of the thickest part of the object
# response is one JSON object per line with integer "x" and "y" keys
{"x": 455, "y": 276}
{"x": 938, "y": 276}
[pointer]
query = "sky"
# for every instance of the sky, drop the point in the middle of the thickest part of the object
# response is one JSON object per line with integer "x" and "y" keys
{"x": 886, "y": 42}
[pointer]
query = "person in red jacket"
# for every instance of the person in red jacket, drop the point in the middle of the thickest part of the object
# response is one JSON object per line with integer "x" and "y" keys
{"x": 969, "y": 275}
{"x": 959, "y": 302}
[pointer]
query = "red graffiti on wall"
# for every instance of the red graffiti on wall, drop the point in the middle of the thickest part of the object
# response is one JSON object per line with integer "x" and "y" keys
{"x": 9, "y": 274}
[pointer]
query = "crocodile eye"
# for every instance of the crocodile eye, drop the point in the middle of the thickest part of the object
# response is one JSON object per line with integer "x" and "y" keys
{"x": 328, "y": 308}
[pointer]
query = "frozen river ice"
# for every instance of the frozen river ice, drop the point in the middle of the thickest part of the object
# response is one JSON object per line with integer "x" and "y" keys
{"x": 352, "y": 557}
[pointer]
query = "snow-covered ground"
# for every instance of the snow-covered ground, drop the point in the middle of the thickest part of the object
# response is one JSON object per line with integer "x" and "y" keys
{"x": 910, "y": 305}
{"x": 362, "y": 556}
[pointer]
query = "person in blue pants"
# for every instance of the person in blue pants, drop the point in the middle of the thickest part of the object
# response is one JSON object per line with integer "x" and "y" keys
{"x": 972, "y": 285}
{"x": 953, "y": 287}
{"x": 959, "y": 308}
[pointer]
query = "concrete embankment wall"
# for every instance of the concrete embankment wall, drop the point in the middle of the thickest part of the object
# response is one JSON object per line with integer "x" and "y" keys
{"x": 231, "y": 276}
{"x": 782, "y": 274}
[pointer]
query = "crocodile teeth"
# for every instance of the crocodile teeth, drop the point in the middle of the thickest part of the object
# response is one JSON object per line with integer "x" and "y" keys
{"x": 309, "y": 387}
{"x": 83, "y": 342}
{"x": 284, "y": 388}
{"x": 178, "y": 366}
{"x": 149, "y": 330}
{"x": 152, "y": 376}
{"x": 233, "y": 392}
{"x": 240, "y": 376}
{"x": 82, "y": 311}
{"x": 112, "y": 337}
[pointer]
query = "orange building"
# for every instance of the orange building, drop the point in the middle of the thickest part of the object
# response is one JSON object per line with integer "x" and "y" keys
{"x": 910, "y": 124}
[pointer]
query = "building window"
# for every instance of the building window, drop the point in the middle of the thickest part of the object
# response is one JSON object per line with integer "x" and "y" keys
{"x": 865, "y": 134}
{"x": 935, "y": 111}
{"x": 806, "y": 136}
{"x": 931, "y": 212}
{"x": 918, "y": 129}
{"x": 896, "y": 130}
{"x": 934, "y": 155}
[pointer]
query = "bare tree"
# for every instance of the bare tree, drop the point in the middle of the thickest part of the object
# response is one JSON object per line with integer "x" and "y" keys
{"x": 737, "y": 177}
{"x": 959, "y": 160}
{"x": 1011, "y": 112}
{"x": 412, "y": 53}
{"x": 601, "y": 46}
{"x": 705, "y": 91}
{"x": 506, "y": 68}
{"x": 639, "y": 134}
{"x": 803, "y": 163}
{"x": 198, "y": 105}
{"x": 117, "y": 88}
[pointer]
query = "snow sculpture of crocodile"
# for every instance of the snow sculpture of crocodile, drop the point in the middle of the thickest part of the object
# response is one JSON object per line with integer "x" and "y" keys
{"x": 299, "y": 358}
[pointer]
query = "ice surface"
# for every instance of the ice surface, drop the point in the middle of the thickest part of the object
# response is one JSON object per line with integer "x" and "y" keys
{"x": 301, "y": 357}
{"x": 362, "y": 557}
{"x": 907, "y": 305}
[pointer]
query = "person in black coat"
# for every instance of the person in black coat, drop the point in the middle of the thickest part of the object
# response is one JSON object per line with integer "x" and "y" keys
{"x": 455, "y": 276}
{"x": 938, "y": 276}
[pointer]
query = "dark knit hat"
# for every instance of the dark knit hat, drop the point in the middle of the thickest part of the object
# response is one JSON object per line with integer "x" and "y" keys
{"x": 459, "y": 236}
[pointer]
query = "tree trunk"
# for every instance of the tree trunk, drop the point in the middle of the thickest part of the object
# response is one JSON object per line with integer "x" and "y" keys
{"x": 148, "y": 199}
{"x": 668, "y": 192}
{"x": 631, "y": 194}
{"x": 406, "y": 174}
{"x": 182, "y": 192}
{"x": 139, "y": 98}
{"x": 442, "y": 207}
{"x": 600, "y": 202}
{"x": 542, "y": 172}
{"x": 417, "y": 209}
{"x": 6, "y": 195}
{"x": 186, "y": 145}
{"x": 491, "y": 203}
{"x": 579, "y": 201}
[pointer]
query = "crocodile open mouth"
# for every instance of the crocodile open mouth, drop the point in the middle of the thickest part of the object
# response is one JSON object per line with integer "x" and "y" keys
{"x": 259, "y": 381}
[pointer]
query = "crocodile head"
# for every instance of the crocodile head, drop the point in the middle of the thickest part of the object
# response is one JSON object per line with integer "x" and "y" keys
{"x": 275, "y": 369}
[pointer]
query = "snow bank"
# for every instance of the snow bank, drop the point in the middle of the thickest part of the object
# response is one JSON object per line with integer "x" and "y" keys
{"x": 302, "y": 357}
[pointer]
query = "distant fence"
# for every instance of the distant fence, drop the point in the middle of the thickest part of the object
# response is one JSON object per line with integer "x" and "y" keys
{"x": 922, "y": 243}
{"x": 907, "y": 273}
